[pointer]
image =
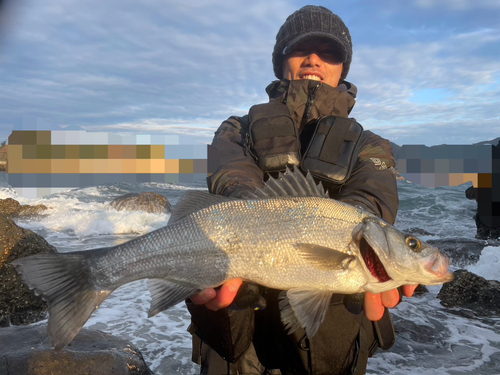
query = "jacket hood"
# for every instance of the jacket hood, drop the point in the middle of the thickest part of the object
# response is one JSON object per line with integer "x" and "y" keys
{"x": 323, "y": 99}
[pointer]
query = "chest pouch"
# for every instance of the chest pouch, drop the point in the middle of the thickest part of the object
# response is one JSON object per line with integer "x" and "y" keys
{"x": 333, "y": 149}
{"x": 273, "y": 137}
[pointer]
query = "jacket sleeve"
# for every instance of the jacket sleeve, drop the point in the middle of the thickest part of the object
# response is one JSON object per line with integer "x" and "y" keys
{"x": 235, "y": 170}
{"x": 372, "y": 184}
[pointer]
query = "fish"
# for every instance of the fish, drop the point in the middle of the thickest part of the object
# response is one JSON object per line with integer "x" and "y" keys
{"x": 289, "y": 235}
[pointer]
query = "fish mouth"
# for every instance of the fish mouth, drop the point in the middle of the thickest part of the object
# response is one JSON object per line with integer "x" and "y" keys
{"x": 373, "y": 262}
{"x": 437, "y": 265}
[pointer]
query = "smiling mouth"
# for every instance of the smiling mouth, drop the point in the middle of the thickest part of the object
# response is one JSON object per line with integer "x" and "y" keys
{"x": 373, "y": 262}
{"x": 311, "y": 77}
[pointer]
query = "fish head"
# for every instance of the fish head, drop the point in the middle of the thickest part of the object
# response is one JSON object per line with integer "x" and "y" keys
{"x": 390, "y": 254}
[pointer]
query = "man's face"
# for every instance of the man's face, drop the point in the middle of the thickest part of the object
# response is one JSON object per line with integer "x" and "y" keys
{"x": 315, "y": 59}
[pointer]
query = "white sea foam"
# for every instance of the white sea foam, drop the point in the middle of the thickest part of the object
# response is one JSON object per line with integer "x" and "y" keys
{"x": 488, "y": 265}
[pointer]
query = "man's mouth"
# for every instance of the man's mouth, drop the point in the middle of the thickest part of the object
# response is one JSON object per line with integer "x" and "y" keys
{"x": 311, "y": 77}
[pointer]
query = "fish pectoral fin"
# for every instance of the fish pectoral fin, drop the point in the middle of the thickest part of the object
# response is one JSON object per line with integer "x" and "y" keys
{"x": 323, "y": 257}
{"x": 194, "y": 201}
{"x": 304, "y": 308}
{"x": 165, "y": 294}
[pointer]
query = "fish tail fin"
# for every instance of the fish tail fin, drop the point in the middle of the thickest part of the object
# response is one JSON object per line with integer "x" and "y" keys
{"x": 66, "y": 284}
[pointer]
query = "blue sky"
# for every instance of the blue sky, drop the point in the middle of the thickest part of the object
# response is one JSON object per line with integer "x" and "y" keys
{"x": 427, "y": 71}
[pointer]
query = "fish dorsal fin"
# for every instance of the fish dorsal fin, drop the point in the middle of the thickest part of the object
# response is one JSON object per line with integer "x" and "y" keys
{"x": 165, "y": 294}
{"x": 292, "y": 183}
{"x": 305, "y": 308}
{"x": 194, "y": 201}
{"x": 324, "y": 258}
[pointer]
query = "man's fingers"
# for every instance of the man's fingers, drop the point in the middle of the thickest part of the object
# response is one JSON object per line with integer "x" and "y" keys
{"x": 204, "y": 296}
{"x": 390, "y": 298}
{"x": 374, "y": 309}
{"x": 225, "y": 295}
{"x": 408, "y": 290}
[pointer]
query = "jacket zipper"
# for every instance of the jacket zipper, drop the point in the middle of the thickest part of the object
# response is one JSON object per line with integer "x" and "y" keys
{"x": 310, "y": 100}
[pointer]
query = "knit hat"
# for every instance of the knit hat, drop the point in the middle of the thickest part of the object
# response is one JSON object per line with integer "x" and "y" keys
{"x": 312, "y": 21}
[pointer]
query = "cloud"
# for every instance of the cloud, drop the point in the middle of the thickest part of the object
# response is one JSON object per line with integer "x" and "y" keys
{"x": 388, "y": 77}
{"x": 181, "y": 65}
{"x": 459, "y": 5}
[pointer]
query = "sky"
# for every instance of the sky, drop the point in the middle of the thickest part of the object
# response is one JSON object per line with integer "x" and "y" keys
{"x": 427, "y": 71}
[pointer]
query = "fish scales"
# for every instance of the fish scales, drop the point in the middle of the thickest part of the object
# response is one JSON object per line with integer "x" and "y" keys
{"x": 145, "y": 257}
{"x": 270, "y": 255}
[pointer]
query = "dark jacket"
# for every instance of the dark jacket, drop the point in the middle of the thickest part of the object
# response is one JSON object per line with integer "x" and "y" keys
{"x": 372, "y": 184}
{"x": 344, "y": 340}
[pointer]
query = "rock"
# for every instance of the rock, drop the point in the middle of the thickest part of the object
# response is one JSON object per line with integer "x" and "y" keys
{"x": 473, "y": 292}
{"x": 461, "y": 251}
{"x": 148, "y": 202}
{"x": 26, "y": 350}
{"x": 18, "y": 305}
{"x": 471, "y": 193}
{"x": 12, "y": 208}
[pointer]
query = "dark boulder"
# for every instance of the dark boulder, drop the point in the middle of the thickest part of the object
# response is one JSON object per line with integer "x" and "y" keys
{"x": 18, "y": 304}
{"x": 148, "y": 202}
{"x": 473, "y": 292}
{"x": 26, "y": 350}
{"x": 12, "y": 208}
{"x": 471, "y": 193}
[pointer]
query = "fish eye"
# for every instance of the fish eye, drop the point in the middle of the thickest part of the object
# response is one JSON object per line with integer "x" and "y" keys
{"x": 413, "y": 244}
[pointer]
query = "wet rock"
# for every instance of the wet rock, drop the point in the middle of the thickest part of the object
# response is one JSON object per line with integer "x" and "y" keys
{"x": 461, "y": 251}
{"x": 26, "y": 350}
{"x": 18, "y": 304}
{"x": 473, "y": 292}
{"x": 12, "y": 208}
{"x": 148, "y": 202}
{"x": 471, "y": 193}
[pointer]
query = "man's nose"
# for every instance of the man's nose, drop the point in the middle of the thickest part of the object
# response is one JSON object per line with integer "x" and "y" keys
{"x": 312, "y": 59}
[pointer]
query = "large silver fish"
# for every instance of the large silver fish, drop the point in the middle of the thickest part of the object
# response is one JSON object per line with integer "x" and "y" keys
{"x": 288, "y": 235}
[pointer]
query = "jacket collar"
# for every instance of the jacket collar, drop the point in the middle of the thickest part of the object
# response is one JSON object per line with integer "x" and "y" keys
{"x": 324, "y": 100}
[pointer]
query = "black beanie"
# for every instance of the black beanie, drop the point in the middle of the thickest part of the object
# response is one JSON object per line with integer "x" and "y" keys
{"x": 312, "y": 21}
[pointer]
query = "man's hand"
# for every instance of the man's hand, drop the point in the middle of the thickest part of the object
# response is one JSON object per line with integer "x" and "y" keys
{"x": 220, "y": 298}
{"x": 375, "y": 304}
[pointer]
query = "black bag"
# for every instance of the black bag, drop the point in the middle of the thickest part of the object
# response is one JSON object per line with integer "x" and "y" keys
{"x": 333, "y": 149}
{"x": 273, "y": 137}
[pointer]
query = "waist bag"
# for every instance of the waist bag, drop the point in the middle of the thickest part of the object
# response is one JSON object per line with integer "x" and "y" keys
{"x": 333, "y": 149}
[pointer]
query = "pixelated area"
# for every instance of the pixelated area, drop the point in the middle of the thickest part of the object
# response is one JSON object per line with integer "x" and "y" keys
{"x": 452, "y": 165}
{"x": 42, "y": 162}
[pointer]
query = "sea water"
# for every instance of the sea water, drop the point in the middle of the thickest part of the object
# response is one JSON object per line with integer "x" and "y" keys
{"x": 431, "y": 339}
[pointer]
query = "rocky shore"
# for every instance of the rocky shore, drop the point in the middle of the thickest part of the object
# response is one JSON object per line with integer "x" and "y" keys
{"x": 26, "y": 349}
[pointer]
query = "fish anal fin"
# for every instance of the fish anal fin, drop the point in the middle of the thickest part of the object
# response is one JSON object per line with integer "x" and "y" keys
{"x": 166, "y": 293}
{"x": 306, "y": 308}
{"x": 325, "y": 258}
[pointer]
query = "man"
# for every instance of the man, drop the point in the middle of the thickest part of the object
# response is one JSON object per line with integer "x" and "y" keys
{"x": 305, "y": 125}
